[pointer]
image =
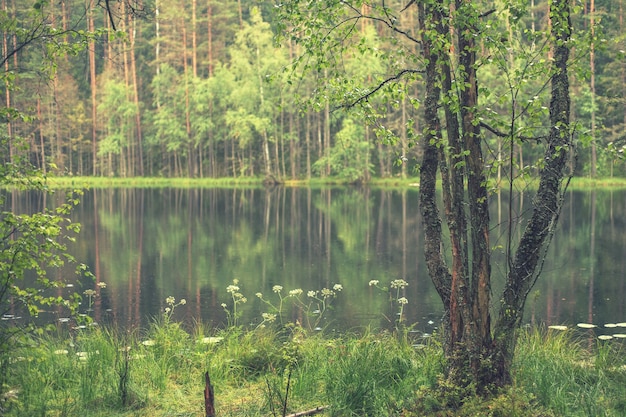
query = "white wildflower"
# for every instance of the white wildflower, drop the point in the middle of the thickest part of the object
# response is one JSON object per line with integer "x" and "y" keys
{"x": 327, "y": 293}
{"x": 399, "y": 283}
{"x": 268, "y": 317}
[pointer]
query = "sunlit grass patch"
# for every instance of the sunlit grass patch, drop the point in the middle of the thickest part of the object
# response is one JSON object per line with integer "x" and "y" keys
{"x": 371, "y": 375}
{"x": 571, "y": 375}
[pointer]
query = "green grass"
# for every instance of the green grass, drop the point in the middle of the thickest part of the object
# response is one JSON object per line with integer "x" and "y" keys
{"x": 162, "y": 182}
{"x": 560, "y": 372}
{"x": 151, "y": 182}
{"x": 159, "y": 372}
{"x": 584, "y": 183}
{"x": 577, "y": 183}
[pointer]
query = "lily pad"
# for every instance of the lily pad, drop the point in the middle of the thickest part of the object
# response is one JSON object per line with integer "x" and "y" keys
{"x": 557, "y": 327}
{"x": 605, "y": 337}
{"x": 586, "y": 325}
{"x": 211, "y": 340}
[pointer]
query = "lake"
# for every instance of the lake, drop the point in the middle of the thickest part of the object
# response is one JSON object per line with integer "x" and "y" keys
{"x": 151, "y": 244}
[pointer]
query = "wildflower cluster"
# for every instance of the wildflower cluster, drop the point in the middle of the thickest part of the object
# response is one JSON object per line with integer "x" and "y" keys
{"x": 399, "y": 285}
{"x": 171, "y": 305}
{"x": 268, "y": 318}
{"x": 92, "y": 294}
{"x": 278, "y": 310}
{"x": 318, "y": 302}
{"x": 237, "y": 298}
{"x": 396, "y": 296}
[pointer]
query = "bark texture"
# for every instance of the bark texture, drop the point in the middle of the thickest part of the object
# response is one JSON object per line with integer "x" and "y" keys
{"x": 478, "y": 355}
{"x": 547, "y": 204}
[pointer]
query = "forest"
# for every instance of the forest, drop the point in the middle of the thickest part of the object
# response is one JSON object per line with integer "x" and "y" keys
{"x": 210, "y": 89}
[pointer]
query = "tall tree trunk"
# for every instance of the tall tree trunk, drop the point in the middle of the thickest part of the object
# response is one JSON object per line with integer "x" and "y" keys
{"x": 525, "y": 266}
{"x": 157, "y": 36}
{"x": 435, "y": 262}
{"x": 403, "y": 140}
{"x": 621, "y": 30}
{"x": 307, "y": 143}
{"x": 381, "y": 159}
{"x": 592, "y": 87}
{"x": 479, "y": 328}
{"x": 126, "y": 160}
{"x": 53, "y": 114}
{"x": 280, "y": 137}
{"x": 42, "y": 144}
{"x": 209, "y": 13}
{"x": 210, "y": 138}
{"x": 266, "y": 147}
{"x": 94, "y": 91}
{"x": 478, "y": 359}
{"x": 326, "y": 147}
{"x": 190, "y": 150}
{"x": 194, "y": 35}
{"x": 133, "y": 69}
{"x": 7, "y": 95}
{"x": 293, "y": 135}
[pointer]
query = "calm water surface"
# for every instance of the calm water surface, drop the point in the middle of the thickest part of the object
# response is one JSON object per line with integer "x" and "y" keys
{"x": 149, "y": 244}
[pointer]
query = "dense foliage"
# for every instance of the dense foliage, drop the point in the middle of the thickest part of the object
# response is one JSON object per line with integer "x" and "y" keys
{"x": 201, "y": 89}
{"x": 32, "y": 243}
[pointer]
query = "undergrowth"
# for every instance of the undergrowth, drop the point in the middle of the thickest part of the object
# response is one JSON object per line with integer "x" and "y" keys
{"x": 281, "y": 370}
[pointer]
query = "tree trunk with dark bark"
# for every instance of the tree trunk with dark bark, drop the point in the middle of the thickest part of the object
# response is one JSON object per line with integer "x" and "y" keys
{"x": 526, "y": 265}
{"x": 479, "y": 356}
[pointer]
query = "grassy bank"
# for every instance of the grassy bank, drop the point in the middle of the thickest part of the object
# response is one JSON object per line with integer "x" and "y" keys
{"x": 578, "y": 183}
{"x": 160, "y": 182}
{"x": 160, "y": 371}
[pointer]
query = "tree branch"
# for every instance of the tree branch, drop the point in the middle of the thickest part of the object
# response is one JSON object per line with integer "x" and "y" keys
{"x": 506, "y": 135}
{"x": 391, "y": 23}
{"x": 381, "y": 85}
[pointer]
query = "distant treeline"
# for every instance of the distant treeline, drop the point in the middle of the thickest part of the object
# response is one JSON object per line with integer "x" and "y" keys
{"x": 189, "y": 88}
